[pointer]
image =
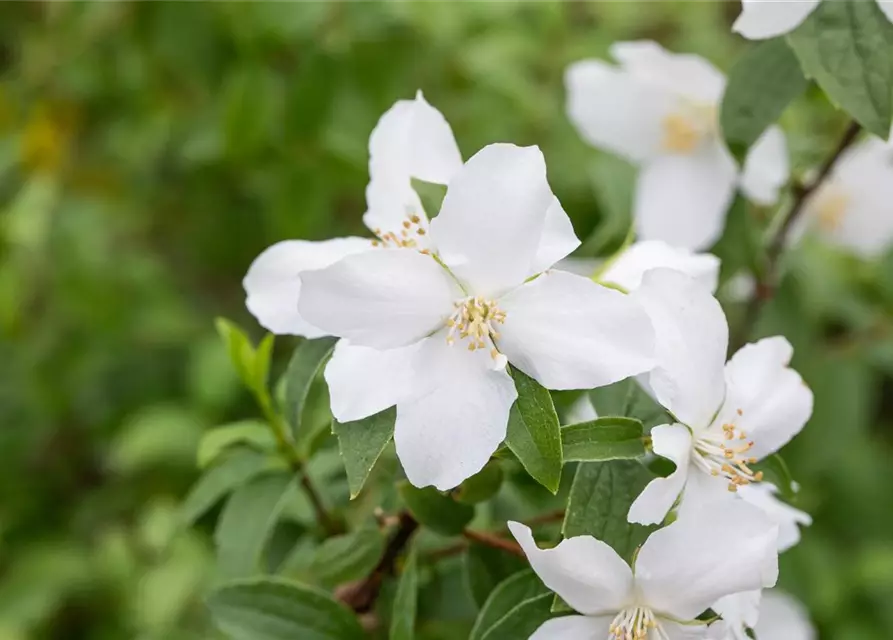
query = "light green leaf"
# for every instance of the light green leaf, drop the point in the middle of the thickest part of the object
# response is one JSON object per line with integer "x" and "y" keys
{"x": 236, "y": 469}
{"x": 486, "y": 568}
{"x": 626, "y": 398}
{"x": 481, "y": 486}
{"x": 253, "y": 365}
{"x": 761, "y": 85}
{"x": 523, "y": 619}
{"x": 608, "y": 438}
{"x": 303, "y": 368}
{"x": 845, "y": 46}
{"x": 435, "y": 510}
{"x": 534, "y": 434}
{"x": 246, "y": 522}
{"x": 254, "y": 433}
{"x": 347, "y": 557}
{"x": 361, "y": 443}
{"x": 276, "y": 609}
{"x": 521, "y": 587}
{"x": 406, "y": 601}
{"x": 599, "y": 502}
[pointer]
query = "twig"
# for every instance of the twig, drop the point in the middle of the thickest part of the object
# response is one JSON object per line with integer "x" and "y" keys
{"x": 495, "y": 542}
{"x": 546, "y": 518}
{"x": 764, "y": 288}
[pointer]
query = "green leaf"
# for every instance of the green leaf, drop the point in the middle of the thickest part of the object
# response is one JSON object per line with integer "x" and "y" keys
{"x": 435, "y": 510}
{"x": 523, "y": 619}
{"x": 778, "y": 473}
{"x": 347, "y": 557}
{"x": 608, "y": 438}
{"x": 247, "y": 520}
{"x": 761, "y": 85}
{"x": 406, "y": 601}
{"x": 253, "y": 433}
{"x": 534, "y": 434}
{"x": 521, "y": 587}
{"x": 236, "y": 469}
{"x": 599, "y": 501}
{"x": 303, "y": 368}
{"x": 486, "y": 568}
{"x": 361, "y": 443}
{"x": 845, "y": 46}
{"x": 481, "y": 486}
{"x": 276, "y": 609}
{"x": 626, "y": 398}
{"x": 253, "y": 365}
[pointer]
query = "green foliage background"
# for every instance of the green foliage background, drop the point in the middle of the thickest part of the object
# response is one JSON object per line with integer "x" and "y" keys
{"x": 148, "y": 152}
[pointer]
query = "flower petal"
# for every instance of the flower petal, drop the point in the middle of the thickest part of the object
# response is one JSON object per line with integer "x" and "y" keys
{"x": 684, "y": 74}
{"x": 765, "y": 398}
{"x": 678, "y": 631}
{"x": 390, "y": 202}
{"x": 448, "y": 432}
{"x": 493, "y": 216}
{"x": 671, "y": 441}
{"x": 628, "y": 269}
{"x": 683, "y": 199}
{"x": 615, "y": 111}
{"x": 363, "y": 381}
{"x": 724, "y": 548}
{"x": 585, "y": 572}
{"x": 384, "y": 299}
{"x": 691, "y": 338}
{"x": 738, "y": 610}
{"x": 887, "y": 7}
{"x": 582, "y": 410}
{"x": 783, "y": 618}
{"x": 413, "y": 140}
{"x": 787, "y": 518}
{"x": 557, "y": 241}
{"x": 702, "y": 489}
{"x": 761, "y": 19}
{"x": 766, "y": 167}
{"x": 574, "y": 628}
{"x": 570, "y": 333}
{"x": 273, "y": 284}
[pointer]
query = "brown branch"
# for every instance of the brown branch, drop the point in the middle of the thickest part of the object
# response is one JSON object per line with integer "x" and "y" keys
{"x": 489, "y": 540}
{"x": 764, "y": 288}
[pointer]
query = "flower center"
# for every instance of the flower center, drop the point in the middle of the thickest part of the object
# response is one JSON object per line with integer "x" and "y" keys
{"x": 683, "y": 131}
{"x": 411, "y": 234}
{"x": 475, "y": 320}
{"x": 634, "y": 624}
{"x": 726, "y": 456}
{"x": 830, "y": 209}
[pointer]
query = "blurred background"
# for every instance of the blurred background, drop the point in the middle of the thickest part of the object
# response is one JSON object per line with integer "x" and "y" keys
{"x": 148, "y": 152}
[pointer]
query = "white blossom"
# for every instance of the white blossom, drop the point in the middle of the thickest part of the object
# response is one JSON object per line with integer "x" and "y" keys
{"x": 682, "y": 569}
{"x": 430, "y": 330}
{"x": 762, "y": 19}
{"x": 772, "y": 614}
{"x": 789, "y": 519}
{"x": 659, "y": 110}
{"x": 727, "y": 415}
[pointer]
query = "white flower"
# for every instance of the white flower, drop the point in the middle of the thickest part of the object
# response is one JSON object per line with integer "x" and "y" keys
{"x": 728, "y": 416}
{"x": 411, "y": 140}
{"x": 762, "y": 19}
{"x": 851, "y": 209}
{"x": 430, "y": 331}
{"x": 678, "y": 573}
{"x": 659, "y": 110}
{"x": 788, "y": 519}
{"x": 772, "y": 616}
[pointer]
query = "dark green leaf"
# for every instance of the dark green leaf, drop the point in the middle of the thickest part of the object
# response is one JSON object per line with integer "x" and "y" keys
{"x": 522, "y": 620}
{"x": 246, "y": 523}
{"x": 608, "y": 438}
{"x": 481, "y": 486}
{"x": 435, "y": 510}
{"x": 406, "y": 601}
{"x": 236, "y": 469}
{"x": 305, "y": 364}
{"x": 347, "y": 557}
{"x": 361, "y": 443}
{"x": 521, "y": 587}
{"x": 599, "y": 502}
{"x": 534, "y": 434}
{"x": 276, "y": 609}
{"x": 761, "y": 85}
{"x": 845, "y": 46}
{"x": 487, "y": 567}
{"x": 253, "y": 433}
{"x": 626, "y": 398}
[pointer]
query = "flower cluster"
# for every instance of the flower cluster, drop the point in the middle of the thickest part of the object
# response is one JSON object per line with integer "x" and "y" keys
{"x": 434, "y": 312}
